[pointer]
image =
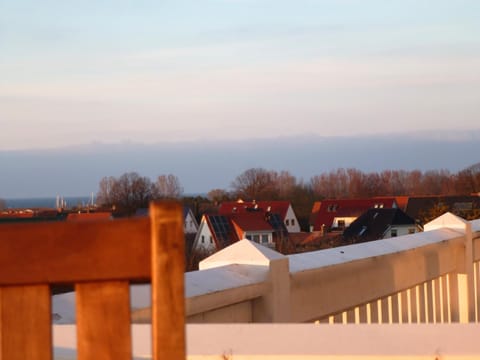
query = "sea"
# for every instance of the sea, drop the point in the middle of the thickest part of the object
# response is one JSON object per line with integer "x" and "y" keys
{"x": 47, "y": 202}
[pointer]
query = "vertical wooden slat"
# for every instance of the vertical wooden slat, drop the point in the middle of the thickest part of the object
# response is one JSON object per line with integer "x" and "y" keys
{"x": 437, "y": 300}
{"x": 422, "y": 309}
{"x": 414, "y": 304}
{"x": 395, "y": 308}
{"x": 374, "y": 318}
{"x": 351, "y": 316}
{"x": 103, "y": 321}
{"x": 25, "y": 323}
{"x": 338, "y": 318}
{"x": 454, "y": 297}
{"x": 429, "y": 301}
{"x": 385, "y": 311}
{"x": 446, "y": 299}
{"x": 363, "y": 314}
{"x": 404, "y": 307}
{"x": 168, "y": 257}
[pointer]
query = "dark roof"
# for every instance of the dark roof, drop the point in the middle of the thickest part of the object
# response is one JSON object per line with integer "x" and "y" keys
{"x": 324, "y": 212}
{"x": 222, "y": 230}
{"x": 141, "y": 212}
{"x": 419, "y": 206}
{"x": 372, "y": 224}
{"x": 224, "y": 227}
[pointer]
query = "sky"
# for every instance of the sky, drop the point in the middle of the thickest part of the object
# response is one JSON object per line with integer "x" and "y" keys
{"x": 151, "y": 72}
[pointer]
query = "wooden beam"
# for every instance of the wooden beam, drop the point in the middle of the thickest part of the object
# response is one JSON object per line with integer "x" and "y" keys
{"x": 41, "y": 253}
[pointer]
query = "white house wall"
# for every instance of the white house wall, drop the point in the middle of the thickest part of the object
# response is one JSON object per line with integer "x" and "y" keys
{"x": 401, "y": 230}
{"x": 348, "y": 221}
{"x": 292, "y": 221}
{"x": 204, "y": 239}
{"x": 190, "y": 225}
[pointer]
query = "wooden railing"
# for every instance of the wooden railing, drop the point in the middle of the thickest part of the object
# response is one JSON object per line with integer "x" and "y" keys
{"x": 101, "y": 259}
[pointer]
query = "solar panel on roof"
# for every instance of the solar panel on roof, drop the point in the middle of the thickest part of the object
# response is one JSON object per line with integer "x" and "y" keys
{"x": 222, "y": 228}
{"x": 275, "y": 221}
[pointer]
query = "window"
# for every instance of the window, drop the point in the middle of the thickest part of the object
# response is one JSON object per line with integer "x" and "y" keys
{"x": 293, "y": 222}
{"x": 393, "y": 233}
{"x": 249, "y": 237}
{"x": 264, "y": 239}
{"x": 256, "y": 238}
{"x": 411, "y": 231}
{"x": 332, "y": 208}
{"x": 287, "y": 222}
{"x": 203, "y": 239}
{"x": 362, "y": 230}
{"x": 211, "y": 240}
{"x": 341, "y": 224}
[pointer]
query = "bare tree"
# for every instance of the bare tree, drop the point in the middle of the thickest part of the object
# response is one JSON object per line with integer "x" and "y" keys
{"x": 468, "y": 180}
{"x": 125, "y": 194}
{"x": 254, "y": 184}
{"x": 3, "y": 204}
{"x": 168, "y": 187}
{"x": 218, "y": 195}
{"x": 284, "y": 183}
{"x": 105, "y": 194}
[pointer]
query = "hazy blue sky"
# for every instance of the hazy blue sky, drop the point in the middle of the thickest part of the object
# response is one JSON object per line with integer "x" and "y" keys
{"x": 75, "y": 72}
{"x": 371, "y": 84}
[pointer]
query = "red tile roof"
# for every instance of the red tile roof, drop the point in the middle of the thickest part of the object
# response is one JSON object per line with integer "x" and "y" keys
{"x": 251, "y": 221}
{"x": 330, "y": 209}
{"x": 276, "y": 207}
{"x": 402, "y": 202}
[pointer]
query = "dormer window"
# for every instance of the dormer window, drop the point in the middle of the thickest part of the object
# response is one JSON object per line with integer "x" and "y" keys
{"x": 332, "y": 208}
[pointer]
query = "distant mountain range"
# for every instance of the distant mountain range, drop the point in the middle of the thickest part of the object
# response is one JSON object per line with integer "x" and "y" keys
{"x": 204, "y": 165}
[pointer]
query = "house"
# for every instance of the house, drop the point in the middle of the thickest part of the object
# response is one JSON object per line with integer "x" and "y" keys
{"x": 425, "y": 208}
{"x": 219, "y": 231}
{"x": 214, "y": 233}
{"x": 338, "y": 214}
{"x": 378, "y": 223}
{"x": 282, "y": 208}
{"x": 190, "y": 224}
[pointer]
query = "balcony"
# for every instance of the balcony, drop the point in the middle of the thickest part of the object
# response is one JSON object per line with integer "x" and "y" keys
{"x": 415, "y": 296}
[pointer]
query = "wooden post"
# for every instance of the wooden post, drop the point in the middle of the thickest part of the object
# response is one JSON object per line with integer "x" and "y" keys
{"x": 466, "y": 280}
{"x": 470, "y": 271}
{"x": 103, "y": 320}
{"x": 465, "y": 286}
{"x": 25, "y": 323}
{"x": 168, "y": 299}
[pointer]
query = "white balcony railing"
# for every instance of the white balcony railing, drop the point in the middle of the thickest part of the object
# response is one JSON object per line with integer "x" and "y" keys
{"x": 428, "y": 277}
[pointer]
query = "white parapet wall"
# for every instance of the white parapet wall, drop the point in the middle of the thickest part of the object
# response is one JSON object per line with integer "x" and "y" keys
{"x": 408, "y": 279}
